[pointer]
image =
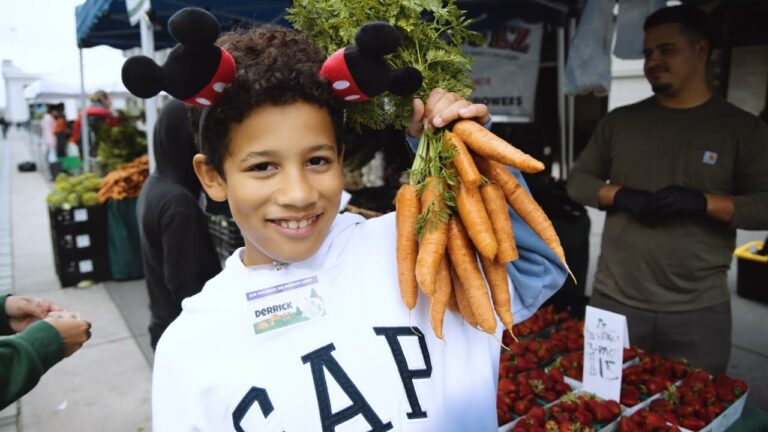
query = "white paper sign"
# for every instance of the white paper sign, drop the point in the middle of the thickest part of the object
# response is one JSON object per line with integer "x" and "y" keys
{"x": 505, "y": 71}
{"x": 83, "y": 241}
{"x": 85, "y": 266}
{"x": 605, "y": 336}
{"x": 80, "y": 215}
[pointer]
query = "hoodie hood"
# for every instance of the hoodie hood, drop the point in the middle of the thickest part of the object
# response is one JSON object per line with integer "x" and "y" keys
{"x": 174, "y": 147}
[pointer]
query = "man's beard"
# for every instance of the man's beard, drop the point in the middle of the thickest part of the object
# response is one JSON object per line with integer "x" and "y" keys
{"x": 661, "y": 88}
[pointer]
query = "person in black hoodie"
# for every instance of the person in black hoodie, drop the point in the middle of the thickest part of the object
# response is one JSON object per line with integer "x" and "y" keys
{"x": 177, "y": 251}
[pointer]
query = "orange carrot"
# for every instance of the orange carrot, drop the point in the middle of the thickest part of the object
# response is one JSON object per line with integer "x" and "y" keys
{"x": 475, "y": 218}
{"x": 498, "y": 212}
{"x": 522, "y": 203}
{"x": 461, "y": 300}
{"x": 453, "y": 303}
{"x": 406, "y": 212}
{"x": 464, "y": 261}
{"x": 463, "y": 162}
{"x": 434, "y": 238}
{"x": 439, "y": 301}
{"x": 486, "y": 143}
{"x": 496, "y": 276}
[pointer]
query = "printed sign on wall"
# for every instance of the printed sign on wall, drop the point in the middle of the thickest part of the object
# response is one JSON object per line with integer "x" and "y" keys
{"x": 506, "y": 70}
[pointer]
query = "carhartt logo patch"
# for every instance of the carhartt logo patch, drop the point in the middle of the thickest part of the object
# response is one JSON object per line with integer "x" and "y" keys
{"x": 710, "y": 158}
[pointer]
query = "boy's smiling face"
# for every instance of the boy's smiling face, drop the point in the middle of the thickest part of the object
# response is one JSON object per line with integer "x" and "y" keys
{"x": 283, "y": 181}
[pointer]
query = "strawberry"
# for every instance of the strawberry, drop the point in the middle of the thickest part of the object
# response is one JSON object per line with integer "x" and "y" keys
{"x": 506, "y": 385}
{"x": 660, "y": 405}
{"x": 537, "y": 415}
{"x": 739, "y": 387}
{"x": 583, "y": 417}
{"x": 680, "y": 368}
{"x": 551, "y": 426}
{"x": 708, "y": 394}
{"x": 655, "y": 421}
{"x": 566, "y": 426}
{"x": 548, "y": 395}
{"x": 613, "y": 407}
{"x": 692, "y": 423}
{"x": 630, "y": 396}
{"x": 556, "y": 374}
{"x": 670, "y": 417}
{"x": 568, "y": 403}
{"x": 521, "y": 407}
{"x": 602, "y": 413}
{"x": 655, "y": 385}
{"x": 626, "y": 424}
{"x": 684, "y": 410}
{"x": 562, "y": 388}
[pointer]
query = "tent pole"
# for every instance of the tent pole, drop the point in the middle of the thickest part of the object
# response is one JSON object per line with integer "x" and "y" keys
{"x": 150, "y": 105}
{"x": 571, "y": 114}
{"x": 561, "y": 101}
{"x": 84, "y": 133}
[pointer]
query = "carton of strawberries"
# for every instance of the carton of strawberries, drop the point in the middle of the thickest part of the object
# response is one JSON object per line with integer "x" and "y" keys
{"x": 650, "y": 376}
{"x": 581, "y": 412}
{"x": 519, "y": 395}
{"x": 702, "y": 402}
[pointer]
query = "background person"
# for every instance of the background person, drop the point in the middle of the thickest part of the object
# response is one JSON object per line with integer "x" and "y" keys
{"x": 684, "y": 169}
{"x": 176, "y": 248}
{"x": 34, "y": 335}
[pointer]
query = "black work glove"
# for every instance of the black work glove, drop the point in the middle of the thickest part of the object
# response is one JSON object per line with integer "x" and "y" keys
{"x": 678, "y": 201}
{"x": 633, "y": 201}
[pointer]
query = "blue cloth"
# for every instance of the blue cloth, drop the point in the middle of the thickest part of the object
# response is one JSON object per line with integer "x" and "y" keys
{"x": 538, "y": 273}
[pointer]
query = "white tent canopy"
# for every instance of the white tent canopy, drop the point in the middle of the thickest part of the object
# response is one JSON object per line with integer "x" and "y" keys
{"x": 46, "y": 88}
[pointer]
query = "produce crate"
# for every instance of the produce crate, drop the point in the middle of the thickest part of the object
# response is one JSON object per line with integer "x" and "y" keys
{"x": 225, "y": 235}
{"x": 752, "y": 272}
{"x": 79, "y": 242}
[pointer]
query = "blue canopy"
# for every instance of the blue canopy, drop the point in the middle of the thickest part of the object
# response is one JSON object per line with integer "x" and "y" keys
{"x": 105, "y": 22}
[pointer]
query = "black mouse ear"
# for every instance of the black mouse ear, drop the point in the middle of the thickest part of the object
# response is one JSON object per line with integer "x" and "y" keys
{"x": 377, "y": 39}
{"x": 194, "y": 27}
{"x": 405, "y": 81}
{"x": 142, "y": 76}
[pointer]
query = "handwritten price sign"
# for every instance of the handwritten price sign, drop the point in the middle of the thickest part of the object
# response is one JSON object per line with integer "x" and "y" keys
{"x": 605, "y": 336}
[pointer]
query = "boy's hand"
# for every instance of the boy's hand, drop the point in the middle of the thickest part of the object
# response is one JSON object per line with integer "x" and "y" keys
{"x": 443, "y": 107}
{"x": 22, "y": 311}
{"x": 74, "y": 332}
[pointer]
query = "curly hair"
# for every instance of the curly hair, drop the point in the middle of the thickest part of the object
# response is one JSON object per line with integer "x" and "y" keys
{"x": 275, "y": 66}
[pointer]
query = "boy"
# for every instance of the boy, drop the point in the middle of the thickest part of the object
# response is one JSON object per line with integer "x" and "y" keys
{"x": 304, "y": 329}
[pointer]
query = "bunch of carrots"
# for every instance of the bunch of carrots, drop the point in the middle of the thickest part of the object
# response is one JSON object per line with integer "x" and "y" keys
{"x": 126, "y": 181}
{"x": 454, "y": 211}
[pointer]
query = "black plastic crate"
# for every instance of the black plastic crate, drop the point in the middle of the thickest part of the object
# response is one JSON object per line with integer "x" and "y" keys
{"x": 72, "y": 269}
{"x": 76, "y": 217}
{"x": 79, "y": 243}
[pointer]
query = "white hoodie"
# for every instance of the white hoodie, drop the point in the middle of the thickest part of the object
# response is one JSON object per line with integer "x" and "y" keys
{"x": 361, "y": 367}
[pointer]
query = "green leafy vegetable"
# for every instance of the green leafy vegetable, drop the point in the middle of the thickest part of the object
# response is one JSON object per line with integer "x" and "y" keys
{"x": 432, "y": 34}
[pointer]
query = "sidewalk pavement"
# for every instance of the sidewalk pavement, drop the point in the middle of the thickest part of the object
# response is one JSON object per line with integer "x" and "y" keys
{"x": 105, "y": 386}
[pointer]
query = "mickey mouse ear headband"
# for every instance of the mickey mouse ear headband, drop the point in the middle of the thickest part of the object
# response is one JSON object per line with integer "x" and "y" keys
{"x": 197, "y": 70}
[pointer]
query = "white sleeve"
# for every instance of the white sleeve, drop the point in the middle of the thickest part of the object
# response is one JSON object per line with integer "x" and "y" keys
{"x": 172, "y": 408}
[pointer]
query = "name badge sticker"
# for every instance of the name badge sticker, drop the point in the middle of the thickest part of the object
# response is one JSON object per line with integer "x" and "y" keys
{"x": 710, "y": 157}
{"x": 286, "y": 305}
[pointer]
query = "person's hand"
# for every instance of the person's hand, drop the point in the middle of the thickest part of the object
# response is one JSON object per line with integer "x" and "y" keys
{"x": 74, "y": 332}
{"x": 633, "y": 201}
{"x": 443, "y": 107}
{"x": 22, "y": 311}
{"x": 678, "y": 201}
